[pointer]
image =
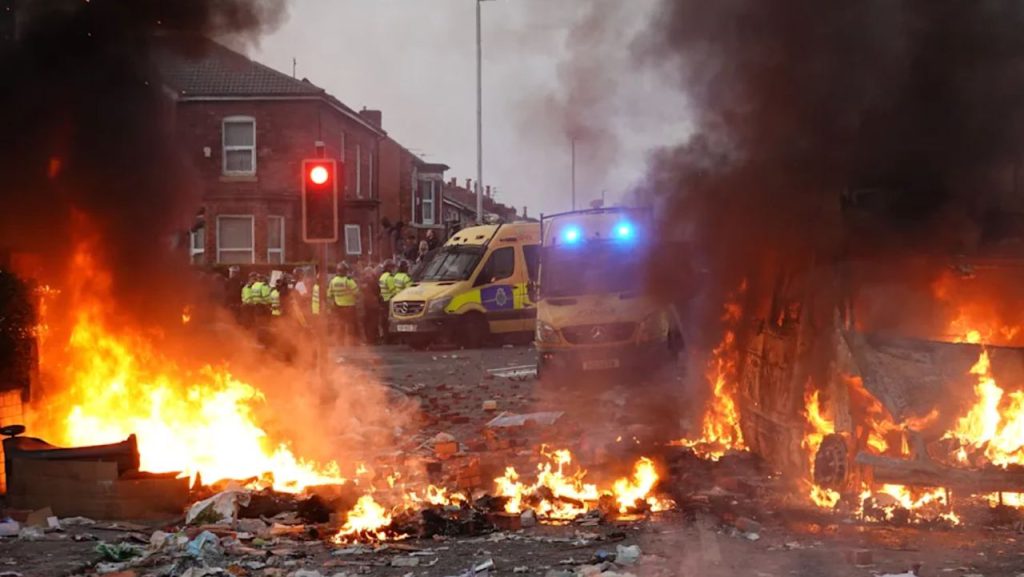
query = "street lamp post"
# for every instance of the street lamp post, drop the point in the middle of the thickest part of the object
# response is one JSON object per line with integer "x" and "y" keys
{"x": 479, "y": 121}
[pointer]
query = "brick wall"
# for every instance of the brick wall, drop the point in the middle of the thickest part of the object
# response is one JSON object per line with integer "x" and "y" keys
{"x": 286, "y": 132}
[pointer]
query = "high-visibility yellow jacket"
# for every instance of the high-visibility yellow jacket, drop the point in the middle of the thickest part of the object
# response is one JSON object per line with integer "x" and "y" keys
{"x": 401, "y": 281}
{"x": 343, "y": 291}
{"x": 387, "y": 286}
{"x": 275, "y": 302}
{"x": 246, "y": 294}
{"x": 316, "y": 299}
{"x": 260, "y": 293}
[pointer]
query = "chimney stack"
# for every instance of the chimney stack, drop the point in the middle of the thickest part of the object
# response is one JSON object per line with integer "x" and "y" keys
{"x": 524, "y": 212}
{"x": 469, "y": 184}
{"x": 374, "y": 117}
{"x": 488, "y": 191}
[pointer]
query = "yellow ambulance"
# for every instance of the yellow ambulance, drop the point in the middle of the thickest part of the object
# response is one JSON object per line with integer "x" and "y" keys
{"x": 593, "y": 310}
{"x": 475, "y": 287}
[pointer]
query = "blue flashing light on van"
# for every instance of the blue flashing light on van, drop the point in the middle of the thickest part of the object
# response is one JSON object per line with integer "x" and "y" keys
{"x": 571, "y": 235}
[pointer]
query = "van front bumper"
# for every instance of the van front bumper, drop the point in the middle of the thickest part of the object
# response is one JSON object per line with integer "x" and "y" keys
{"x": 605, "y": 358}
{"x": 423, "y": 326}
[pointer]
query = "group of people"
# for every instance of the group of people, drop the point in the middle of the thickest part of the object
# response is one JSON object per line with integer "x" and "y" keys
{"x": 356, "y": 304}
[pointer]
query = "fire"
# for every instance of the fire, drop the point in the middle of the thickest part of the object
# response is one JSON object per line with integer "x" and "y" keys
{"x": 186, "y": 315}
{"x": 819, "y": 427}
{"x": 995, "y": 424}
{"x": 921, "y": 503}
{"x": 367, "y": 520}
{"x": 558, "y": 494}
{"x": 720, "y": 429}
{"x": 114, "y": 382}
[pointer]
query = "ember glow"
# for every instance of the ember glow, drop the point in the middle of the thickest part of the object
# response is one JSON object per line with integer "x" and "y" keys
{"x": 560, "y": 492}
{"x": 115, "y": 382}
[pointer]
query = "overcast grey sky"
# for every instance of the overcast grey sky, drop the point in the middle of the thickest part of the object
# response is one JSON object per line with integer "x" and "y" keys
{"x": 551, "y": 67}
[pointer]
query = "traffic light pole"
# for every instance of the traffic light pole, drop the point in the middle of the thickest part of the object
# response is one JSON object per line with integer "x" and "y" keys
{"x": 324, "y": 322}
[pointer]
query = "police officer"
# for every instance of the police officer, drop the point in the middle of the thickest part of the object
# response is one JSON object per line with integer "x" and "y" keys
{"x": 401, "y": 279}
{"x": 342, "y": 293}
{"x": 248, "y": 305}
{"x": 260, "y": 296}
{"x": 387, "y": 281}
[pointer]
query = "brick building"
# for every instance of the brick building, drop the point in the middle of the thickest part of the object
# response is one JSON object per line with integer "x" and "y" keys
{"x": 245, "y": 128}
{"x": 411, "y": 193}
{"x": 459, "y": 208}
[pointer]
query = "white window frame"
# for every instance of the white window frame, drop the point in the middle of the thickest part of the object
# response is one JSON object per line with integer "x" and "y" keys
{"x": 433, "y": 203}
{"x": 359, "y": 171}
{"x": 252, "y": 235}
{"x": 224, "y": 148}
{"x": 271, "y": 250}
{"x": 192, "y": 250}
{"x": 358, "y": 250}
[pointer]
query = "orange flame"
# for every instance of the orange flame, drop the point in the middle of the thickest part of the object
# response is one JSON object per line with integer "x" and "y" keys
{"x": 116, "y": 382}
{"x": 819, "y": 427}
{"x": 720, "y": 428}
{"x": 367, "y": 520}
{"x": 558, "y": 494}
{"x": 994, "y": 425}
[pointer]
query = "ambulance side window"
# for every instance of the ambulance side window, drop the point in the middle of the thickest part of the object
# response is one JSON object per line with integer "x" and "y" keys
{"x": 500, "y": 266}
{"x": 531, "y": 253}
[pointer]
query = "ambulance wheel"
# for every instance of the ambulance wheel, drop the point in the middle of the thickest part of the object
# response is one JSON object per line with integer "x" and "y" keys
{"x": 475, "y": 330}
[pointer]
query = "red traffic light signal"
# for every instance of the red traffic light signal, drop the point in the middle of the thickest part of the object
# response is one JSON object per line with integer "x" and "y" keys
{"x": 320, "y": 200}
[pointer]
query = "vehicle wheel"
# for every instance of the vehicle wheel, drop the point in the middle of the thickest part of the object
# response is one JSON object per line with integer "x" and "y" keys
{"x": 475, "y": 331}
{"x": 831, "y": 463}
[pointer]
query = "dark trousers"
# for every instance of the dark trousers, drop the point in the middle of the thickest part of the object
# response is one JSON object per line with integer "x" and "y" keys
{"x": 345, "y": 319}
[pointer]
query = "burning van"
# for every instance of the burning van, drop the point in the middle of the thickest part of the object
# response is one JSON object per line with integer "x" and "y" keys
{"x": 903, "y": 374}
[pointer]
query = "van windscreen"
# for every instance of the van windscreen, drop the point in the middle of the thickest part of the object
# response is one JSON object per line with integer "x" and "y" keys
{"x": 453, "y": 263}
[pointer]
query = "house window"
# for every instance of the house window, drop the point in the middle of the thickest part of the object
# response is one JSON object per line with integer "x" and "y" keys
{"x": 275, "y": 239}
{"x": 239, "y": 139}
{"x": 197, "y": 245}
{"x": 359, "y": 171}
{"x": 428, "y": 202}
{"x": 234, "y": 239}
{"x": 353, "y": 241}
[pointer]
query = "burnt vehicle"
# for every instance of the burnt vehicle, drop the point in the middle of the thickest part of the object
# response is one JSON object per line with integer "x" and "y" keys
{"x": 905, "y": 369}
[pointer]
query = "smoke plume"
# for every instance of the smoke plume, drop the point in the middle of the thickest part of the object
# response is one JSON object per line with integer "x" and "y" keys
{"x": 910, "y": 112}
{"x": 88, "y": 132}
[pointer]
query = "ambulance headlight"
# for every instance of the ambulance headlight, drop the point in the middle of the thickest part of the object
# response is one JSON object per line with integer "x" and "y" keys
{"x": 437, "y": 307}
{"x": 546, "y": 333}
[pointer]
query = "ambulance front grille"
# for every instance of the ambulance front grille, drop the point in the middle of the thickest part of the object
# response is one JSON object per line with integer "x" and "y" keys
{"x": 597, "y": 334}
{"x": 408, "y": 308}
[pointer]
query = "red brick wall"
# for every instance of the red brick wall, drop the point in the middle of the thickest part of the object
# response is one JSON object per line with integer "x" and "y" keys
{"x": 286, "y": 132}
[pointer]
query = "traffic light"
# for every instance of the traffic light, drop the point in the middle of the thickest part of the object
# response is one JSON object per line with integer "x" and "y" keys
{"x": 320, "y": 199}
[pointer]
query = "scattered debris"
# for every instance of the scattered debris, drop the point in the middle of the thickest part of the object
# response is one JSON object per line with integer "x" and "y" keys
{"x": 220, "y": 508}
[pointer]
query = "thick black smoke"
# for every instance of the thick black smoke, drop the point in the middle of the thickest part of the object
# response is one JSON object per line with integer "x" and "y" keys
{"x": 87, "y": 129}
{"x": 802, "y": 108}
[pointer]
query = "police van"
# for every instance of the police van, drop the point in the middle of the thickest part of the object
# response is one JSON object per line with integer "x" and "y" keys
{"x": 475, "y": 287}
{"x": 594, "y": 312}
